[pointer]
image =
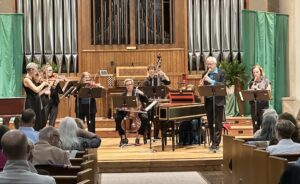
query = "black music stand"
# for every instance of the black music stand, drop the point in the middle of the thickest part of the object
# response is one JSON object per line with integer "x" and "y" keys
{"x": 255, "y": 95}
{"x": 155, "y": 92}
{"x": 86, "y": 92}
{"x": 69, "y": 89}
{"x": 212, "y": 91}
{"x": 11, "y": 106}
{"x": 122, "y": 102}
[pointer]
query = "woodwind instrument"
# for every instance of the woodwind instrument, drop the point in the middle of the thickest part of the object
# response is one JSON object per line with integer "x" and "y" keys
{"x": 158, "y": 65}
{"x": 202, "y": 82}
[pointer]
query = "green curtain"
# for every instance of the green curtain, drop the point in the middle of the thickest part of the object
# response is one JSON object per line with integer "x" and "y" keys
{"x": 11, "y": 54}
{"x": 265, "y": 43}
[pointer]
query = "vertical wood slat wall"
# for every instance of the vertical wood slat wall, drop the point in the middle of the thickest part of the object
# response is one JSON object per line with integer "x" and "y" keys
{"x": 92, "y": 58}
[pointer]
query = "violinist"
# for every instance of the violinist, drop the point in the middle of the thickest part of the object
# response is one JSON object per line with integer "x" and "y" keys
{"x": 214, "y": 76}
{"x": 32, "y": 90}
{"x": 120, "y": 115}
{"x": 43, "y": 96}
{"x": 51, "y": 109}
{"x": 86, "y": 107}
{"x": 258, "y": 82}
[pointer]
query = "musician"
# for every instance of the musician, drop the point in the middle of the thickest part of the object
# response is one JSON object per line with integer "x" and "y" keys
{"x": 120, "y": 115}
{"x": 156, "y": 77}
{"x": 86, "y": 107}
{"x": 33, "y": 100}
{"x": 52, "y": 106}
{"x": 258, "y": 82}
{"x": 214, "y": 76}
{"x": 43, "y": 96}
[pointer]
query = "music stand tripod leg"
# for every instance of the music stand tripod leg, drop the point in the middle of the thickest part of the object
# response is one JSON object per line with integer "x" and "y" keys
{"x": 214, "y": 122}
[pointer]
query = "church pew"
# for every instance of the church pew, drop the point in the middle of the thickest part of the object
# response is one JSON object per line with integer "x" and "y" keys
{"x": 58, "y": 169}
{"x": 247, "y": 172}
{"x": 260, "y": 166}
{"x": 237, "y": 159}
{"x": 76, "y": 161}
{"x": 86, "y": 174}
{"x": 227, "y": 158}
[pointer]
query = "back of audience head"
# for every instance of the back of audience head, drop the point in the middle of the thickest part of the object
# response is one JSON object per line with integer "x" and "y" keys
{"x": 28, "y": 118}
{"x": 269, "y": 120}
{"x": 3, "y": 130}
{"x": 288, "y": 116}
{"x": 284, "y": 129}
{"x": 15, "y": 145}
{"x": 50, "y": 134}
{"x": 68, "y": 133}
{"x": 79, "y": 123}
{"x": 17, "y": 122}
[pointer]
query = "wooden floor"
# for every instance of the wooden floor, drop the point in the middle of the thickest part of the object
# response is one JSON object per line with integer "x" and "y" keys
{"x": 112, "y": 158}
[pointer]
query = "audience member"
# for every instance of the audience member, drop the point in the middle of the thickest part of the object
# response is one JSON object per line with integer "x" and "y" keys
{"x": 284, "y": 131}
{"x": 15, "y": 147}
{"x": 68, "y": 134}
{"x": 17, "y": 122}
{"x": 290, "y": 175}
{"x": 45, "y": 150}
{"x": 3, "y": 130}
{"x": 26, "y": 126}
{"x": 267, "y": 131}
{"x": 296, "y": 134}
{"x": 74, "y": 138}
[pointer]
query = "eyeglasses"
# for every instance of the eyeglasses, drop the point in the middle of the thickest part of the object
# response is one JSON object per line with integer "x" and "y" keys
{"x": 128, "y": 84}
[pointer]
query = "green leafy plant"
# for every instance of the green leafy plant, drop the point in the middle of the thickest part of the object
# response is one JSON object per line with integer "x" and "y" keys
{"x": 234, "y": 72}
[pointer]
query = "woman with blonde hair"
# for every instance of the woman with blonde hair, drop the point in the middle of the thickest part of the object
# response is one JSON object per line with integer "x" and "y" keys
{"x": 258, "y": 82}
{"x": 86, "y": 107}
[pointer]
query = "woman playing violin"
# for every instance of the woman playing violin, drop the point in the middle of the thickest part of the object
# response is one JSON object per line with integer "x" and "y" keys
{"x": 51, "y": 109}
{"x": 32, "y": 90}
{"x": 86, "y": 107}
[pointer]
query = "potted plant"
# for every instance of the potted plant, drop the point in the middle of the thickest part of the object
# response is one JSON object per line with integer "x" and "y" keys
{"x": 234, "y": 73}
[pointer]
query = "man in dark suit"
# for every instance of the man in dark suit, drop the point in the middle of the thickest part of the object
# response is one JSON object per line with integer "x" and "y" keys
{"x": 214, "y": 76}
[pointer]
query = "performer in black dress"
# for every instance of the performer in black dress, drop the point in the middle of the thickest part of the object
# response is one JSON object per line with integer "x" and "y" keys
{"x": 86, "y": 107}
{"x": 258, "y": 82}
{"x": 33, "y": 100}
{"x": 51, "y": 109}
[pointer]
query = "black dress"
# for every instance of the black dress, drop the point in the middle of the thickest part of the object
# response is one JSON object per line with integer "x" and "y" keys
{"x": 33, "y": 101}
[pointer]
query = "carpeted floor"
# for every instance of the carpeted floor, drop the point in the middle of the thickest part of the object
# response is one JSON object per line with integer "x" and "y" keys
{"x": 153, "y": 178}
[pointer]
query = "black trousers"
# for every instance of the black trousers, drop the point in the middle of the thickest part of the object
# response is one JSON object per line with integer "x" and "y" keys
{"x": 90, "y": 117}
{"x": 120, "y": 115}
{"x": 215, "y": 132}
{"x": 257, "y": 116}
{"x": 51, "y": 111}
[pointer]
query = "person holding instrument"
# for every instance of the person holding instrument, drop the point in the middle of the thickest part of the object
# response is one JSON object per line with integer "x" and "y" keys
{"x": 51, "y": 109}
{"x": 258, "y": 82}
{"x": 214, "y": 76}
{"x": 120, "y": 115}
{"x": 32, "y": 90}
{"x": 156, "y": 77}
{"x": 86, "y": 107}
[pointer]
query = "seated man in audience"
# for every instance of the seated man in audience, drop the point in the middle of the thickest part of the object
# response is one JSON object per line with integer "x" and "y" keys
{"x": 45, "y": 150}
{"x": 284, "y": 131}
{"x": 3, "y": 130}
{"x": 26, "y": 126}
{"x": 15, "y": 147}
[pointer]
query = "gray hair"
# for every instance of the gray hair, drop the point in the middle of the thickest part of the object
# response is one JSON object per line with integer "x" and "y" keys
{"x": 31, "y": 65}
{"x": 127, "y": 80}
{"x": 211, "y": 58}
{"x": 68, "y": 133}
{"x": 269, "y": 119}
{"x": 47, "y": 132}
